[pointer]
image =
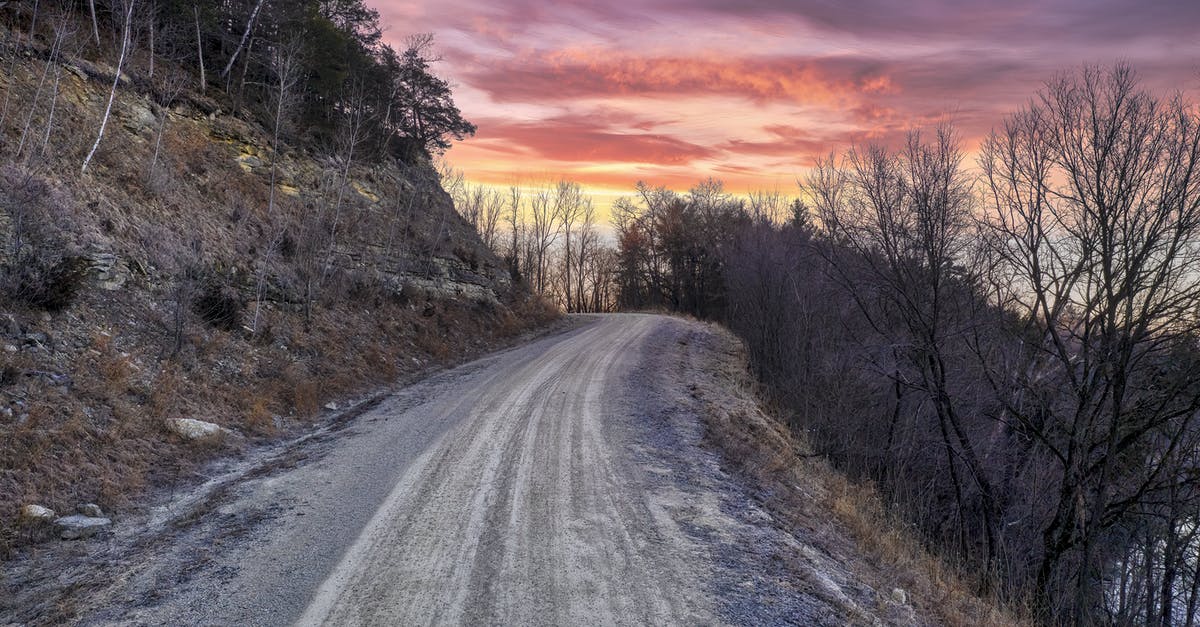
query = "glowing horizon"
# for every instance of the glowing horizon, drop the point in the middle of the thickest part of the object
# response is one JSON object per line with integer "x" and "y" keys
{"x": 675, "y": 91}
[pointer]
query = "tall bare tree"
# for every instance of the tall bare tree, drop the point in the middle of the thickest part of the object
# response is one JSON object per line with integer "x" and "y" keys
{"x": 126, "y": 35}
{"x": 905, "y": 218}
{"x": 1094, "y": 232}
{"x": 569, "y": 205}
{"x": 250, "y": 22}
{"x": 286, "y": 62}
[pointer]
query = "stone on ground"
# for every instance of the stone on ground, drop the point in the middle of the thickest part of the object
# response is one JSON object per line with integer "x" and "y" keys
{"x": 80, "y": 526}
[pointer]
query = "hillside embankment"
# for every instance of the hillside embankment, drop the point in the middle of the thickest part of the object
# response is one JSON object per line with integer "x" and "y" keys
{"x": 192, "y": 273}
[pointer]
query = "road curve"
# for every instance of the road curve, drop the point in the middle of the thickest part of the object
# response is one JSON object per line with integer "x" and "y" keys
{"x": 562, "y": 482}
{"x": 524, "y": 515}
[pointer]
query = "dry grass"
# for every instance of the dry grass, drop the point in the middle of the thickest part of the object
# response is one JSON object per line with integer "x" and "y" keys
{"x": 803, "y": 491}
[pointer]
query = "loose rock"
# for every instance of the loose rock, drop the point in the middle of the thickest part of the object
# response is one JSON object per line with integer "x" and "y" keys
{"x": 899, "y": 596}
{"x": 79, "y": 526}
{"x": 90, "y": 509}
{"x": 191, "y": 429}
{"x": 36, "y": 512}
{"x": 41, "y": 340}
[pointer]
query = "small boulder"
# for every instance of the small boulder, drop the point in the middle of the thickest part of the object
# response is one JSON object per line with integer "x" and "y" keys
{"x": 331, "y": 406}
{"x": 90, "y": 509}
{"x": 192, "y": 429}
{"x": 899, "y": 596}
{"x": 36, "y": 512}
{"x": 249, "y": 162}
{"x": 9, "y": 348}
{"x": 141, "y": 118}
{"x": 77, "y": 71}
{"x": 79, "y": 526}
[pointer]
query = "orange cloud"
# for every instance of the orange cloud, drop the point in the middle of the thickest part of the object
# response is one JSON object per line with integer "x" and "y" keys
{"x": 572, "y": 74}
{"x": 582, "y": 139}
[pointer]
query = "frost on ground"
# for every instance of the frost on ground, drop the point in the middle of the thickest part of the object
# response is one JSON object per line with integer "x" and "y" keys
{"x": 584, "y": 478}
{"x": 763, "y": 573}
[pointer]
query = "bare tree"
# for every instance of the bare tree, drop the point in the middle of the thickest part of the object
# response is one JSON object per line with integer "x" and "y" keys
{"x": 112, "y": 94}
{"x": 199, "y": 49}
{"x": 52, "y": 60}
{"x": 245, "y": 37}
{"x": 287, "y": 66}
{"x": 905, "y": 219}
{"x": 569, "y": 206}
{"x": 95, "y": 23}
{"x": 351, "y": 137}
{"x": 167, "y": 91}
{"x": 516, "y": 228}
{"x": 544, "y": 228}
{"x": 585, "y": 242}
{"x": 1094, "y": 232}
{"x": 64, "y": 29}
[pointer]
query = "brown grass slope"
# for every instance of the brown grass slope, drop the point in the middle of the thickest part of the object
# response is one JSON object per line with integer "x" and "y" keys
{"x": 130, "y": 292}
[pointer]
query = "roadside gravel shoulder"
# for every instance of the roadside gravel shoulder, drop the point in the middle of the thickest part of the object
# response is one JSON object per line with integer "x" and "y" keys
{"x": 849, "y": 549}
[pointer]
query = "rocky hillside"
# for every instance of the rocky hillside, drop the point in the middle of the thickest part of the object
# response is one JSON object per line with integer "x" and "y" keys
{"x": 191, "y": 273}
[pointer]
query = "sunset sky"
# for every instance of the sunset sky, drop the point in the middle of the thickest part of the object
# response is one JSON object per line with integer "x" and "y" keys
{"x": 670, "y": 91}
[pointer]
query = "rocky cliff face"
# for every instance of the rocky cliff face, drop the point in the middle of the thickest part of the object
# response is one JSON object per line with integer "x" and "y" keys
{"x": 193, "y": 272}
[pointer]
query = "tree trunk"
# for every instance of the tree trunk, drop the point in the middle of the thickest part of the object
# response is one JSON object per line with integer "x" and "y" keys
{"x": 200, "y": 49}
{"x": 95, "y": 23}
{"x": 112, "y": 94}
{"x": 242, "y": 43}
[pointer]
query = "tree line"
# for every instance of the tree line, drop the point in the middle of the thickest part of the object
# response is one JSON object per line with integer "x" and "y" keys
{"x": 307, "y": 68}
{"x": 1009, "y": 349}
{"x": 547, "y": 234}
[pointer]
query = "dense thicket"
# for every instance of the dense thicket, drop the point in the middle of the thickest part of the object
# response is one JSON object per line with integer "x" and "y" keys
{"x": 1009, "y": 351}
{"x": 315, "y": 69}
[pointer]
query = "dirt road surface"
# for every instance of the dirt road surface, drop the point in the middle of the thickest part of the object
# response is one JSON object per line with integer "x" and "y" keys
{"x": 564, "y": 482}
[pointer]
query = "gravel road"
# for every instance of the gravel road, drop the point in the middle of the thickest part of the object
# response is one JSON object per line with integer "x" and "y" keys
{"x": 563, "y": 482}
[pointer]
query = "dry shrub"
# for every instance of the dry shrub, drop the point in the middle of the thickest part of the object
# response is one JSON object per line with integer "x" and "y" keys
{"x": 379, "y": 362}
{"x": 219, "y": 306}
{"x": 306, "y": 398}
{"x": 258, "y": 416}
{"x": 47, "y": 283}
{"x": 432, "y": 342}
{"x": 508, "y": 325}
{"x": 39, "y": 269}
{"x": 164, "y": 392}
{"x": 116, "y": 369}
{"x": 210, "y": 345}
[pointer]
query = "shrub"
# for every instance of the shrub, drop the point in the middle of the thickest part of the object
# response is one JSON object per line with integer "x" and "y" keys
{"x": 39, "y": 270}
{"x": 219, "y": 306}
{"x": 49, "y": 284}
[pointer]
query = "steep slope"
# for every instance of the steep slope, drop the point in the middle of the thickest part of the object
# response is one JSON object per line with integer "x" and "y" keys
{"x": 171, "y": 281}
